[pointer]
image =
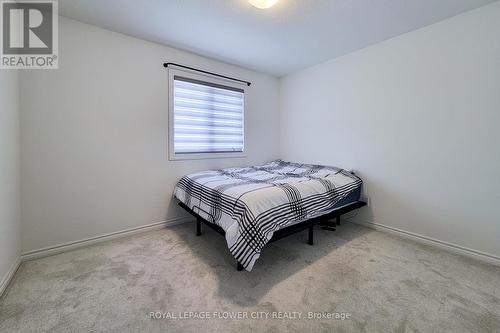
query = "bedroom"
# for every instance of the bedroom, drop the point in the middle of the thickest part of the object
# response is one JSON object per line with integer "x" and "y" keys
{"x": 399, "y": 95}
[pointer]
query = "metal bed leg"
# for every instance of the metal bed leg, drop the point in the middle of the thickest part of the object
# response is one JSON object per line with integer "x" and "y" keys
{"x": 239, "y": 267}
{"x": 338, "y": 220}
{"x": 198, "y": 227}
{"x": 310, "y": 239}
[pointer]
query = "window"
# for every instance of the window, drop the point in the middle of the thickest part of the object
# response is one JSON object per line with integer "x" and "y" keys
{"x": 206, "y": 117}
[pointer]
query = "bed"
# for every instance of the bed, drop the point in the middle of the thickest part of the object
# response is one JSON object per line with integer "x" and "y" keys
{"x": 252, "y": 206}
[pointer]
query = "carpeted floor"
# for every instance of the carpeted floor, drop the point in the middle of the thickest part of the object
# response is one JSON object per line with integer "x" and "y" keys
{"x": 382, "y": 283}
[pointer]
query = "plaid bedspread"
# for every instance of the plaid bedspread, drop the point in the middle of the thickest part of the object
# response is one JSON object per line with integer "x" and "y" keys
{"x": 251, "y": 203}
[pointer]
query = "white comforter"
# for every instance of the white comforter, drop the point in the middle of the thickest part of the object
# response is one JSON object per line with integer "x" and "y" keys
{"x": 251, "y": 203}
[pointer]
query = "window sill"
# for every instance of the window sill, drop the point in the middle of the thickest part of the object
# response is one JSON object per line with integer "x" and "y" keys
{"x": 205, "y": 156}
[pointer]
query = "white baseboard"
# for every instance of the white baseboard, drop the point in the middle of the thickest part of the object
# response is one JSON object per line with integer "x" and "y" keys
{"x": 10, "y": 274}
{"x": 485, "y": 257}
{"x": 48, "y": 251}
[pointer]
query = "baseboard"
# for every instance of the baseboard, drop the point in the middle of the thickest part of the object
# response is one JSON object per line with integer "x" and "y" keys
{"x": 48, "y": 251}
{"x": 485, "y": 257}
{"x": 10, "y": 274}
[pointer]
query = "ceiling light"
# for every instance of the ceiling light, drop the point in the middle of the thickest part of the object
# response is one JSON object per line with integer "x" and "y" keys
{"x": 263, "y": 4}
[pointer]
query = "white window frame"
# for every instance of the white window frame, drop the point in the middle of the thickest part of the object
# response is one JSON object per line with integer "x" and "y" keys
{"x": 209, "y": 79}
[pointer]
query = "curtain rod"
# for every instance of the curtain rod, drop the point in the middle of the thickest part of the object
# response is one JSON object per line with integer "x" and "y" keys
{"x": 206, "y": 72}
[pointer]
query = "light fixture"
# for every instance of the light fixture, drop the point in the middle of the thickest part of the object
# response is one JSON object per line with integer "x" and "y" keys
{"x": 263, "y": 4}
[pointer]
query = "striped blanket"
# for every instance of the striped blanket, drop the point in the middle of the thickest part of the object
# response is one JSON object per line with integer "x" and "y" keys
{"x": 251, "y": 203}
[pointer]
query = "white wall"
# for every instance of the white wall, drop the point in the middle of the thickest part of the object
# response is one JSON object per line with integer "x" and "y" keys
{"x": 419, "y": 117}
{"x": 10, "y": 243}
{"x": 94, "y": 136}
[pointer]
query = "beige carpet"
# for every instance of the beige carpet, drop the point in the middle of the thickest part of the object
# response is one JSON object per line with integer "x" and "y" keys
{"x": 385, "y": 284}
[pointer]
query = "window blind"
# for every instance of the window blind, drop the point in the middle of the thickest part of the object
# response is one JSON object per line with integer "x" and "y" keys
{"x": 208, "y": 117}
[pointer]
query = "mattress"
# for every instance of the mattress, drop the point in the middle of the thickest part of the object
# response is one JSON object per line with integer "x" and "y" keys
{"x": 251, "y": 203}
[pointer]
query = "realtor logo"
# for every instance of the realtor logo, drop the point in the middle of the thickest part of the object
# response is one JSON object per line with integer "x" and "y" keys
{"x": 29, "y": 34}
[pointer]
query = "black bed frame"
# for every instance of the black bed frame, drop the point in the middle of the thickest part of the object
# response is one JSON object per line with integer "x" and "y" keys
{"x": 290, "y": 230}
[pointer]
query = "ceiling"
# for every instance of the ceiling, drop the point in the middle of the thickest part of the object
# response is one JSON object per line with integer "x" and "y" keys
{"x": 292, "y": 35}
